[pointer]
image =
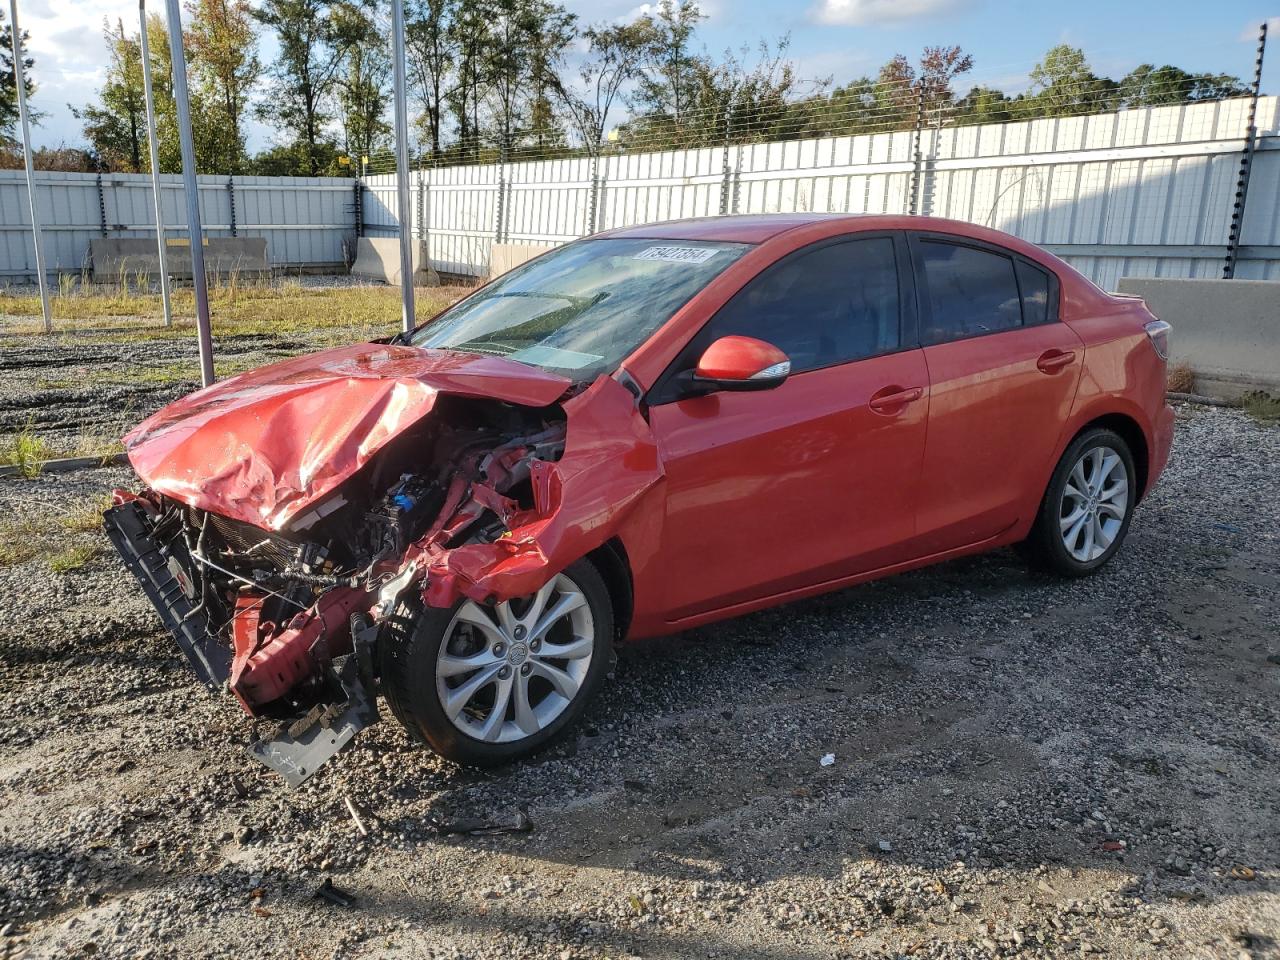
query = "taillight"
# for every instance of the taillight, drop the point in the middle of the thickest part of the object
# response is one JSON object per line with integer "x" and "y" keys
{"x": 1158, "y": 332}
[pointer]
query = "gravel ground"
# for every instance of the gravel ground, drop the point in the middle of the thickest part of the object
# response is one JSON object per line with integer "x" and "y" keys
{"x": 1022, "y": 766}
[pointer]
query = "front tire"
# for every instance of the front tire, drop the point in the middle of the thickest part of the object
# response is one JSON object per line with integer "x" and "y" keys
{"x": 487, "y": 685}
{"x": 1086, "y": 510}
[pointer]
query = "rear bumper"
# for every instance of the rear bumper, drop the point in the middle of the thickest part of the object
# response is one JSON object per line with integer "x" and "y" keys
{"x": 1161, "y": 444}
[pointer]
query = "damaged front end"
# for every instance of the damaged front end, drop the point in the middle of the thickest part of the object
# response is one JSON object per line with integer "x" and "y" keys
{"x": 288, "y": 618}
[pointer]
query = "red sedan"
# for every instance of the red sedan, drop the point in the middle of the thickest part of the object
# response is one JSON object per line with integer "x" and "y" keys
{"x": 633, "y": 434}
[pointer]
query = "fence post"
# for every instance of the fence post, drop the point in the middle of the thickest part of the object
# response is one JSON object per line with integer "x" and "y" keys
{"x": 726, "y": 174}
{"x": 357, "y": 204}
{"x": 231, "y": 197}
{"x": 500, "y": 225}
{"x": 153, "y": 152}
{"x": 102, "y": 205}
{"x": 595, "y": 191}
{"x": 419, "y": 205}
{"x": 1246, "y": 163}
{"x": 917, "y": 156}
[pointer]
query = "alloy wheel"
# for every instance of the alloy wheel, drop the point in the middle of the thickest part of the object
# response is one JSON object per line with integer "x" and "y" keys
{"x": 506, "y": 672}
{"x": 1095, "y": 500}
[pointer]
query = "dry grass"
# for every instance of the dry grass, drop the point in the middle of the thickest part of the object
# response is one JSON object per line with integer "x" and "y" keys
{"x": 19, "y": 541}
{"x": 1181, "y": 378}
{"x": 121, "y": 312}
{"x": 85, "y": 517}
{"x": 1262, "y": 406}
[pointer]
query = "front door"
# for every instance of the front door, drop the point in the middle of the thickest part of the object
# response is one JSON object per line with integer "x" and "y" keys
{"x": 816, "y": 479}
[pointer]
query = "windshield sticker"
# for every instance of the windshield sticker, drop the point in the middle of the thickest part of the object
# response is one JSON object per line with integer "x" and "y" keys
{"x": 543, "y": 355}
{"x": 677, "y": 254}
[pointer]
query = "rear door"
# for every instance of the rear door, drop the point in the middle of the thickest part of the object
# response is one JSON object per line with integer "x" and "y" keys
{"x": 1003, "y": 373}
{"x": 813, "y": 480}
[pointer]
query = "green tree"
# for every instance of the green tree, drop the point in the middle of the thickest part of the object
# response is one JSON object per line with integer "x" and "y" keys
{"x": 470, "y": 37}
{"x": 116, "y": 126}
{"x": 9, "y": 86}
{"x": 362, "y": 80}
{"x": 224, "y": 55}
{"x": 616, "y": 54}
{"x": 1151, "y": 86}
{"x": 429, "y": 53}
{"x": 302, "y": 75}
{"x": 1064, "y": 85}
{"x": 667, "y": 87}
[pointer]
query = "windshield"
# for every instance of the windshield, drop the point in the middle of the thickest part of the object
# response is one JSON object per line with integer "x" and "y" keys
{"x": 580, "y": 309}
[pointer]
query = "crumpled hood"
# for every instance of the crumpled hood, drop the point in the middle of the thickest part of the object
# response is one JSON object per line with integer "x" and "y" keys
{"x": 262, "y": 446}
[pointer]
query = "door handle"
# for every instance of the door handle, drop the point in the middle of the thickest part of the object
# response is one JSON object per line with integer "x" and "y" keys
{"x": 1051, "y": 361}
{"x": 890, "y": 399}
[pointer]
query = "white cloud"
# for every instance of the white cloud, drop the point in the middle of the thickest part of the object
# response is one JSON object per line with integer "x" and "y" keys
{"x": 875, "y": 12}
{"x": 1250, "y": 33}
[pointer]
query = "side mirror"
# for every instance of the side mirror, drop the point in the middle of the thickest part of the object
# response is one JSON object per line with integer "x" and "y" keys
{"x": 740, "y": 363}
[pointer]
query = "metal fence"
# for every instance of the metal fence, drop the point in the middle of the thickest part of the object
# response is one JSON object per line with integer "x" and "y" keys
{"x": 305, "y": 219}
{"x": 1147, "y": 192}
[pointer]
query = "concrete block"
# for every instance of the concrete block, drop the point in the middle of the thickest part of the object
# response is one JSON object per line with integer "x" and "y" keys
{"x": 223, "y": 257}
{"x": 378, "y": 258}
{"x": 1227, "y": 330}
{"x": 505, "y": 257}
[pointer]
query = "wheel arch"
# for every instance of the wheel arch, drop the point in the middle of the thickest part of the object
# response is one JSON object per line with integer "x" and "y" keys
{"x": 610, "y": 559}
{"x": 1132, "y": 433}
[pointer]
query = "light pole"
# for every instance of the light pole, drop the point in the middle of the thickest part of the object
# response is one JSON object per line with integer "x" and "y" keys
{"x": 155, "y": 165}
{"x": 19, "y": 78}
{"x": 407, "y": 322}
{"x": 173, "y": 13}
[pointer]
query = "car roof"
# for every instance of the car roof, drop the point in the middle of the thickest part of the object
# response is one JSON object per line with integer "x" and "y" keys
{"x": 760, "y": 227}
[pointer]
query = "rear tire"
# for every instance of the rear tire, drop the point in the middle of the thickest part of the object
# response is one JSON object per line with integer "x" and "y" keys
{"x": 483, "y": 685}
{"x": 1085, "y": 514}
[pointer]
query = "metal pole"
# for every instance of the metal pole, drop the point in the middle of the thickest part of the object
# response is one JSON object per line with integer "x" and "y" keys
{"x": 173, "y": 13}
{"x": 161, "y": 252}
{"x": 407, "y": 321}
{"x": 20, "y": 80}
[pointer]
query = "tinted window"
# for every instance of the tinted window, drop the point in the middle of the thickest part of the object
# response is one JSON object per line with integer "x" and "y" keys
{"x": 825, "y": 306}
{"x": 969, "y": 291}
{"x": 1034, "y": 284}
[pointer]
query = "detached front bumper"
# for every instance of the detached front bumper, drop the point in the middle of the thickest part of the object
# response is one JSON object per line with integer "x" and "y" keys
{"x": 168, "y": 574}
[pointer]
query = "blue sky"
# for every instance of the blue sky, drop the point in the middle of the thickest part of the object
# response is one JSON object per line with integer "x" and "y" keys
{"x": 841, "y": 39}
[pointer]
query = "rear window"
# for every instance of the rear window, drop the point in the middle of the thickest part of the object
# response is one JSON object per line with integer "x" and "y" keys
{"x": 969, "y": 291}
{"x": 1034, "y": 284}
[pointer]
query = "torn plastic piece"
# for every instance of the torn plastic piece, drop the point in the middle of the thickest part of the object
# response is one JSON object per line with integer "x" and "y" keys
{"x": 296, "y": 754}
{"x": 477, "y": 827}
{"x": 129, "y": 528}
{"x": 327, "y": 891}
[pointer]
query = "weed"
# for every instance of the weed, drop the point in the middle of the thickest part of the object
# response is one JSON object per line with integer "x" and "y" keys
{"x": 1262, "y": 406}
{"x": 26, "y": 450}
{"x": 73, "y": 558}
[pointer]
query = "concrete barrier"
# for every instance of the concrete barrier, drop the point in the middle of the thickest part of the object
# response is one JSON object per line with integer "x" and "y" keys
{"x": 1228, "y": 331}
{"x": 505, "y": 257}
{"x": 223, "y": 257}
{"x": 378, "y": 258}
